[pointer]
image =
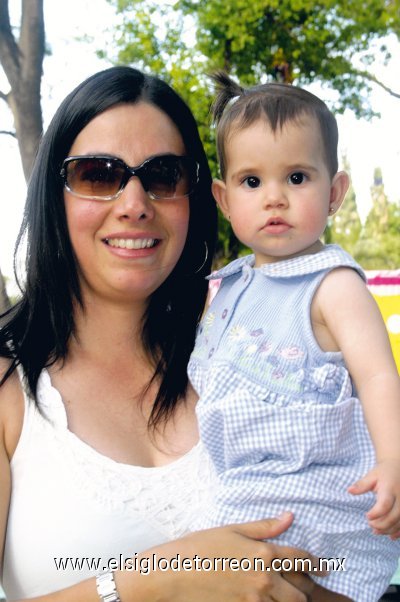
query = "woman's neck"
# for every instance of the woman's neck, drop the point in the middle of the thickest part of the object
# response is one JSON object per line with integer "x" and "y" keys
{"x": 107, "y": 329}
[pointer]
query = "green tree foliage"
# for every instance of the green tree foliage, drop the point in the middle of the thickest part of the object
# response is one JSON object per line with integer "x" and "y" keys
{"x": 296, "y": 41}
{"x": 300, "y": 41}
{"x": 379, "y": 244}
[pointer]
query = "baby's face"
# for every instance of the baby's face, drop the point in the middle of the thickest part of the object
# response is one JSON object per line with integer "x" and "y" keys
{"x": 278, "y": 191}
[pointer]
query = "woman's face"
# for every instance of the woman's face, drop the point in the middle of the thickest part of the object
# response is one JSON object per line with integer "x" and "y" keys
{"x": 126, "y": 247}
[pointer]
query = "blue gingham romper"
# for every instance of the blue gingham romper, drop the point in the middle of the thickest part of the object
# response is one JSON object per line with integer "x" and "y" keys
{"x": 281, "y": 420}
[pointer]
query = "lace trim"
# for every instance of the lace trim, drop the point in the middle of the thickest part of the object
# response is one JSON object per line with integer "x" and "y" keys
{"x": 169, "y": 496}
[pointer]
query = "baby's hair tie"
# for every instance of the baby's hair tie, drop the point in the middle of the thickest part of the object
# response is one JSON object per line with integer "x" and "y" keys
{"x": 232, "y": 101}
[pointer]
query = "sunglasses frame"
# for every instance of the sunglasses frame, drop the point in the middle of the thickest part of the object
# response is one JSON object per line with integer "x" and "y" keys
{"x": 138, "y": 171}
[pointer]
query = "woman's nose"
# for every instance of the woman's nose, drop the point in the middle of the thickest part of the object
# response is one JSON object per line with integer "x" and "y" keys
{"x": 134, "y": 202}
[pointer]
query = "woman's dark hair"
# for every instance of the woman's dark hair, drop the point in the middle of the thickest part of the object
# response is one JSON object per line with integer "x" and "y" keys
{"x": 238, "y": 107}
{"x": 36, "y": 331}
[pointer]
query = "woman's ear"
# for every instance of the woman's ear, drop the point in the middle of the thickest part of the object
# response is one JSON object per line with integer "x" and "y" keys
{"x": 219, "y": 191}
{"x": 339, "y": 187}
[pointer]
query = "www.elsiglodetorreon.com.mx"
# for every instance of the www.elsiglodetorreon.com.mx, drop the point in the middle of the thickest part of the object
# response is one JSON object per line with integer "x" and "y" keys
{"x": 146, "y": 564}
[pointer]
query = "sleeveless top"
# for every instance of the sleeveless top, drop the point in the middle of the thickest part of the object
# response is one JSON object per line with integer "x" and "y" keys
{"x": 70, "y": 502}
{"x": 281, "y": 420}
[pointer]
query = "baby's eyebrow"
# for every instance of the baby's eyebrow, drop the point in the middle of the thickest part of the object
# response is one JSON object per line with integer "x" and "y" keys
{"x": 301, "y": 166}
{"x": 245, "y": 171}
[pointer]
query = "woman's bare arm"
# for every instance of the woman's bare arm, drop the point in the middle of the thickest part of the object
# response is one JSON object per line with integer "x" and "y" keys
{"x": 11, "y": 419}
{"x": 5, "y": 489}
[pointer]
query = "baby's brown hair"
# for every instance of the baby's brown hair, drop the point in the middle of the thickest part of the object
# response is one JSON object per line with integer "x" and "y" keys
{"x": 236, "y": 107}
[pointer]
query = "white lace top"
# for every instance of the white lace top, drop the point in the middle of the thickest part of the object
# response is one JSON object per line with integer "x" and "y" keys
{"x": 71, "y": 502}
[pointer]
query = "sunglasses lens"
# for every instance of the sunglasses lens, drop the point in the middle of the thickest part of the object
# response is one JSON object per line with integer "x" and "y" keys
{"x": 168, "y": 176}
{"x": 94, "y": 177}
{"x": 103, "y": 178}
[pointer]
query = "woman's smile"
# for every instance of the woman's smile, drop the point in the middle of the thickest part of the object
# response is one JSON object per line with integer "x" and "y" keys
{"x": 131, "y": 243}
{"x": 127, "y": 245}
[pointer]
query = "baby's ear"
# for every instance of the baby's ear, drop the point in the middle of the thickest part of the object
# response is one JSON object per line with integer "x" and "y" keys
{"x": 219, "y": 191}
{"x": 339, "y": 187}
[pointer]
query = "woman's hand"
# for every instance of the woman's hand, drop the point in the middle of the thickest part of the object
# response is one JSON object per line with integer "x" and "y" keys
{"x": 233, "y": 542}
{"x": 228, "y": 582}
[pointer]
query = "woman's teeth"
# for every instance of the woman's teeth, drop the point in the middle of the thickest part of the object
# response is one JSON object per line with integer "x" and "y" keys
{"x": 131, "y": 243}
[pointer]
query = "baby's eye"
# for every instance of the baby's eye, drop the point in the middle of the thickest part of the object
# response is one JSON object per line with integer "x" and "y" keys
{"x": 297, "y": 178}
{"x": 252, "y": 182}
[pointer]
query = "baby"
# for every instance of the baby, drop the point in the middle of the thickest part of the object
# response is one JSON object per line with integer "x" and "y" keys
{"x": 299, "y": 396}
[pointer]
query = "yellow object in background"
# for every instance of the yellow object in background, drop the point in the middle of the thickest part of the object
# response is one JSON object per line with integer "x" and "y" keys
{"x": 385, "y": 287}
{"x": 390, "y": 309}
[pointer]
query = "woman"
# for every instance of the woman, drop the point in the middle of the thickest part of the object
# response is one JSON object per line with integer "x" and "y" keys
{"x": 99, "y": 456}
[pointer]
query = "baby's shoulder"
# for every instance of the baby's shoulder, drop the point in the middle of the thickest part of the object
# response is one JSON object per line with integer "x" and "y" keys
{"x": 341, "y": 283}
{"x": 341, "y": 294}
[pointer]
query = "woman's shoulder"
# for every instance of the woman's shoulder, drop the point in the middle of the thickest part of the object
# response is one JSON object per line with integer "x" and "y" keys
{"x": 11, "y": 408}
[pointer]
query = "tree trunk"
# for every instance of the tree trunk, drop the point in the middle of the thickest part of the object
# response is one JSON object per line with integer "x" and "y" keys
{"x": 22, "y": 63}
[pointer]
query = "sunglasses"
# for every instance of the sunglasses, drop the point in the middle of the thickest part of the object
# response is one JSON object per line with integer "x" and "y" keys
{"x": 104, "y": 178}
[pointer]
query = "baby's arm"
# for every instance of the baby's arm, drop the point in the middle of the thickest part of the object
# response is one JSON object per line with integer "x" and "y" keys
{"x": 344, "y": 305}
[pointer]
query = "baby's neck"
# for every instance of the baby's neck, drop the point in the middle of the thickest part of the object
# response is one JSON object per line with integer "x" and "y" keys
{"x": 310, "y": 250}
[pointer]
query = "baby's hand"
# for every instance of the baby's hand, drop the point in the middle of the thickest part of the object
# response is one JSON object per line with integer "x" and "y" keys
{"x": 384, "y": 481}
